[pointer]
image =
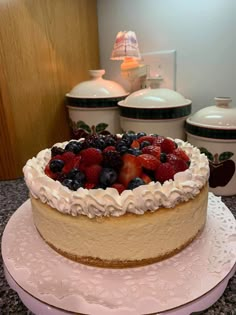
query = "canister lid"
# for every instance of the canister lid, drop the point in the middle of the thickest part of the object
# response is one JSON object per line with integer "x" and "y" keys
{"x": 216, "y": 121}
{"x": 97, "y": 87}
{"x": 155, "y": 98}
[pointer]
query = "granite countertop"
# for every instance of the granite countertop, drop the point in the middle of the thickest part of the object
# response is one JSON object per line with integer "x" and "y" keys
{"x": 13, "y": 193}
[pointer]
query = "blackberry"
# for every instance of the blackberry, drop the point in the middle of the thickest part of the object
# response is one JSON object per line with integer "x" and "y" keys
{"x": 95, "y": 141}
{"x": 112, "y": 159}
{"x": 110, "y": 141}
{"x": 56, "y": 151}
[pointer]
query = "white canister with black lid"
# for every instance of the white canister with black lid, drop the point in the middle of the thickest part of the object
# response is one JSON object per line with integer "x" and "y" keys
{"x": 213, "y": 130}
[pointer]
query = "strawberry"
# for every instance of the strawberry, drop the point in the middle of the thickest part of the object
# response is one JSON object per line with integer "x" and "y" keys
{"x": 109, "y": 148}
{"x": 135, "y": 144}
{"x": 91, "y": 156}
{"x": 131, "y": 168}
{"x": 181, "y": 154}
{"x": 92, "y": 173}
{"x": 168, "y": 145}
{"x": 165, "y": 171}
{"x": 118, "y": 187}
{"x": 146, "y": 138}
{"x": 148, "y": 161}
{"x": 179, "y": 165}
{"x": 158, "y": 140}
{"x": 153, "y": 150}
{"x": 171, "y": 158}
{"x": 145, "y": 178}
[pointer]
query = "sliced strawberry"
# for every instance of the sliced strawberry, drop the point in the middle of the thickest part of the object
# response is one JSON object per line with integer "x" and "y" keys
{"x": 168, "y": 145}
{"x": 148, "y": 161}
{"x": 92, "y": 173}
{"x": 165, "y": 171}
{"x": 153, "y": 150}
{"x": 146, "y": 138}
{"x": 135, "y": 144}
{"x": 145, "y": 178}
{"x": 181, "y": 154}
{"x": 131, "y": 168}
{"x": 119, "y": 187}
{"x": 91, "y": 156}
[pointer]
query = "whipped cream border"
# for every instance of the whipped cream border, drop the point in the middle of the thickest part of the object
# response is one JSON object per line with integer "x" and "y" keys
{"x": 108, "y": 202}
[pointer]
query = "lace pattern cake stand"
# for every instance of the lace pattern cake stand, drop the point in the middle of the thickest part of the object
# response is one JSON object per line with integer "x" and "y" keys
{"x": 188, "y": 282}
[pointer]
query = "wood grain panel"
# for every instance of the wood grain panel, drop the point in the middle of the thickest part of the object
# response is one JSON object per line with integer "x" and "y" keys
{"x": 46, "y": 47}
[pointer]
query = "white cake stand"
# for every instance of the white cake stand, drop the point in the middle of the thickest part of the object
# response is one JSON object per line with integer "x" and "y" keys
{"x": 190, "y": 281}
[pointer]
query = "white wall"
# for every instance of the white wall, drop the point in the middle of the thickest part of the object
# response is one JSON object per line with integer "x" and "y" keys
{"x": 203, "y": 32}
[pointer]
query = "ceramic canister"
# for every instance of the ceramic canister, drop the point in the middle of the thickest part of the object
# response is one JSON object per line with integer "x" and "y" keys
{"x": 159, "y": 110}
{"x": 213, "y": 130}
{"x": 92, "y": 106}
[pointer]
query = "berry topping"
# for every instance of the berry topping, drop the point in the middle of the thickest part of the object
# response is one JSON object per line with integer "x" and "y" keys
{"x": 56, "y": 165}
{"x": 168, "y": 145}
{"x": 135, "y": 182}
{"x": 148, "y": 161}
{"x": 91, "y": 156}
{"x": 121, "y": 162}
{"x": 131, "y": 168}
{"x": 165, "y": 171}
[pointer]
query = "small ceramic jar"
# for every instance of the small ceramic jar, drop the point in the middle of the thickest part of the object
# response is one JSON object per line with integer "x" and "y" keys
{"x": 160, "y": 110}
{"x": 213, "y": 131}
{"x": 92, "y": 106}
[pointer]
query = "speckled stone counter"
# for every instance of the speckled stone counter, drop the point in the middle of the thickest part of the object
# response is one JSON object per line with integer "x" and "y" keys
{"x": 14, "y": 193}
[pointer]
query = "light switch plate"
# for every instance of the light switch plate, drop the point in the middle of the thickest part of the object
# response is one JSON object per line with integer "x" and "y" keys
{"x": 162, "y": 63}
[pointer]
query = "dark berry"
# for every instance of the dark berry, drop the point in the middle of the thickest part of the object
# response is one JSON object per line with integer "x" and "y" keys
{"x": 108, "y": 177}
{"x": 56, "y": 165}
{"x": 141, "y": 134}
{"x": 163, "y": 157}
{"x": 135, "y": 182}
{"x": 68, "y": 183}
{"x": 144, "y": 144}
{"x": 73, "y": 146}
{"x": 121, "y": 147}
{"x": 76, "y": 184}
{"x": 72, "y": 173}
{"x": 109, "y": 141}
{"x": 56, "y": 151}
{"x": 112, "y": 159}
{"x": 80, "y": 177}
{"x": 135, "y": 152}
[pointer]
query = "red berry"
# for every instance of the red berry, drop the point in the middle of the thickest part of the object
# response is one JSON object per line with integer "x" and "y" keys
{"x": 118, "y": 187}
{"x": 148, "y": 161}
{"x": 135, "y": 144}
{"x": 109, "y": 148}
{"x": 168, "y": 145}
{"x": 145, "y": 178}
{"x": 153, "y": 150}
{"x": 92, "y": 173}
{"x": 181, "y": 154}
{"x": 131, "y": 168}
{"x": 179, "y": 165}
{"x": 171, "y": 158}
{"x": 73, "y": 163}
{"x": 146, "y": 138}
{"x": 91, "y": 156}
{"x": 158, "y": 140}
{"x": 67, "y": 156}
{"x": 89, "y": 185}
{"x": 165, "y": 171}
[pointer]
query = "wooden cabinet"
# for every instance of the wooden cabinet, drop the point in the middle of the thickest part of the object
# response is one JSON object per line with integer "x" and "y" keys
{"x": 46, "y": 47}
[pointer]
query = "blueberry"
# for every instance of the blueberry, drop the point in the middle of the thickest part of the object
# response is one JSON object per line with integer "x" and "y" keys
{"x": 141, "y": 134}
{"x": 56, "y": 165}
{"x": 144, "y": 144}
{"x": 163, "y": 157}
{"x": 76, "y": 184}
{"x": 133, "y": 151}
{"x": 108, "y": 177}
{"x": 80, "y": 177}
{"x": 68, "y": 183}
{"x": 73, "y": 146}
{"x": 121, "y": 147}
{"x": 135, "y": 182}
{"x": 109, "y": 141}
